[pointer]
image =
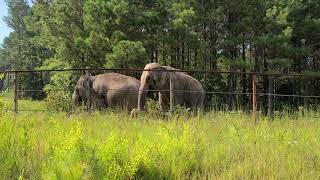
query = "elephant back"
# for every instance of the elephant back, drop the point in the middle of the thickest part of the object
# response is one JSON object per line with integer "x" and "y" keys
{"x": 115, "y": 81}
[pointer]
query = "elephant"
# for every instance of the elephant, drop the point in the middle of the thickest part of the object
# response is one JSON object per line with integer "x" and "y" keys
{"x": 187, "y": 91}
{"x": 107, "y": 90}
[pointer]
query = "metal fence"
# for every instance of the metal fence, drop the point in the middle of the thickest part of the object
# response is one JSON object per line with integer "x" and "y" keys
{"x": 253, "y": 96}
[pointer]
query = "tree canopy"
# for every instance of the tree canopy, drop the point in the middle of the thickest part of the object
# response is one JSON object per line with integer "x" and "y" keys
{"x": 236, "y": 35}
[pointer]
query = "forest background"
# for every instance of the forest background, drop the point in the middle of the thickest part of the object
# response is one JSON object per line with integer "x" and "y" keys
{"x": 274, "y": 36}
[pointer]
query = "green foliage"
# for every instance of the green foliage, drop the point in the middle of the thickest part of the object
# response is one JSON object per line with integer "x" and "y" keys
{"x": 224, "y": 63}
{"x": 126, "y": 54}
{"x": 154, "y": 109}
{"x": 59, "y": 88}
{"x": 58, "y": 99}
{"x": 66, "y": 153}
{"x": 182, "y": 15}
{"x": 2, "y": 76}
{"x": 278, "y": 63}
{"x": 3, "y": 104}
{"x": 19, "y": 52}
{"x": 226, "y": 35}
{"x": 109, "y": 146}
{"x": 7, "y": 103}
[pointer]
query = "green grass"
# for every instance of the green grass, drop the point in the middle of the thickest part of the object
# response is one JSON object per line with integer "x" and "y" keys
{"x": 7, "y": 103}
{"x": 113, "y": 146}
{"x": 106, "y": 145}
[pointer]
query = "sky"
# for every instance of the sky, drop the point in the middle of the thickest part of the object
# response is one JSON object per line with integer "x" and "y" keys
{"x": 4, "y": 29}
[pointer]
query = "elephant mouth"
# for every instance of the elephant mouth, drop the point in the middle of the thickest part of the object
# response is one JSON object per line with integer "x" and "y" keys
{"x": 150, "y": 91}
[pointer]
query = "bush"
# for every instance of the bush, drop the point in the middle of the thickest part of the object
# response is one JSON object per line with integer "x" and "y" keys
{"x": 58, "y": 99}
{"x": 59, "y": 88}
{"x": 154, "y": 109}
{"x": 3, "y": 103}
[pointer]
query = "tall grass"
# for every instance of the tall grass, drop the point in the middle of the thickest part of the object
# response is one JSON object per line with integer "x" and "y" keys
{"x": 113, "y": 146}
{"x": 7, "y": 103}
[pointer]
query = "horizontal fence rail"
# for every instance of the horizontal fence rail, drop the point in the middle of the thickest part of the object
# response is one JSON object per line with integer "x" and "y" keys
{"x": 206, "y": 92}
{"x": 177, "y": 70}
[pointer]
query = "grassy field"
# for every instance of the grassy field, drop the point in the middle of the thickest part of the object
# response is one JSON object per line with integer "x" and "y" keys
{"x": 107, "y": 145}
{"x": 113, "y": 146}
{"x": 7, "y": 103}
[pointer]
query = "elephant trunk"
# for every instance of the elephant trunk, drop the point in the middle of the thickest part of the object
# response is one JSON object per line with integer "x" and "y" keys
{"x": 88, "y": 91}
{"x": 76, "y": 99}
{"x": 144, "y": 87}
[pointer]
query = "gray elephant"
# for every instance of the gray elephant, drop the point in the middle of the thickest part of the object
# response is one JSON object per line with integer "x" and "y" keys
{"x": 107, "y": 90}
{"x": 187, "y": 91}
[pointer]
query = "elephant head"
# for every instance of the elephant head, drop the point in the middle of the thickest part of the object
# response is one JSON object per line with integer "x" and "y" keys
{"x": 157, "y": 80}
{"x": 83, "y": 90}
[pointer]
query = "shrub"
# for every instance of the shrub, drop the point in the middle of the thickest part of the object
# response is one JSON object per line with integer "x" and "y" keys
{"x": 154, "y": 109}
{"x": 3, "y": 103}
{"x": 58, "y": 99}
{"x": 59, "y": 88}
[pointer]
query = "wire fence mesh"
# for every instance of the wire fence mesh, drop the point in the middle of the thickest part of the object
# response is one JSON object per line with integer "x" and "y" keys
{"x": 224, "y": 90}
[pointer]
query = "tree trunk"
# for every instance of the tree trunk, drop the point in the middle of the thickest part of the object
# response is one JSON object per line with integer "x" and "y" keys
{"x": 182, "y": 56}
{"x": 163, "y": 54}
{"x": 151, "y": 55}
{"x": 177, "y": 51}
{"x": 195, "y": 58}
{"x": 188, "y": 58}
{"x": 232, "y": 82}
{"x": 156, "y": 58}
{"x": 306, "y": 93}
{"x": 171, "y": 56}
{"x": 230, "y": 90}
{"x": 243, "y": 80}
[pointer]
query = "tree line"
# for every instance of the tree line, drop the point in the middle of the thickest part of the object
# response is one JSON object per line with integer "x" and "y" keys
{"x": 277, "y": 36}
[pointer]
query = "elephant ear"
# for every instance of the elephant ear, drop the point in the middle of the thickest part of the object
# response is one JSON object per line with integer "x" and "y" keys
{"x": 170, "y": 69}
{"x": 88, "y": 81}
{"x": 76, "y": 90}
{"x": 157, "y": 73}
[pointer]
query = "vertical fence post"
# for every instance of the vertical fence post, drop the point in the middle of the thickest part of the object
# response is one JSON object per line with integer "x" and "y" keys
{"x": 271, "y": 97}
{"x": 254, "y": 97}
{"x": 171, "y": 92}
{"x": 16, "y": 90}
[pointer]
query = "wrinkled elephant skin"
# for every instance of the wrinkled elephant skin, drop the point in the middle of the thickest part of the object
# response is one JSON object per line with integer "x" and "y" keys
{"x": 107, "y": 90}
{"x": 187, "y": 91}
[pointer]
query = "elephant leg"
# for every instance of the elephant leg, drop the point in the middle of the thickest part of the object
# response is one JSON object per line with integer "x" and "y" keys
{"x": 100, "y": 103}
{"x": 97, "y": 103}
{"x": 161, "y": 102}
{"x": 164, "y": 101}
{"x": 195, "y": 103}
{"x": 93, "y": 103}
{"x": 132, "y": 99}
